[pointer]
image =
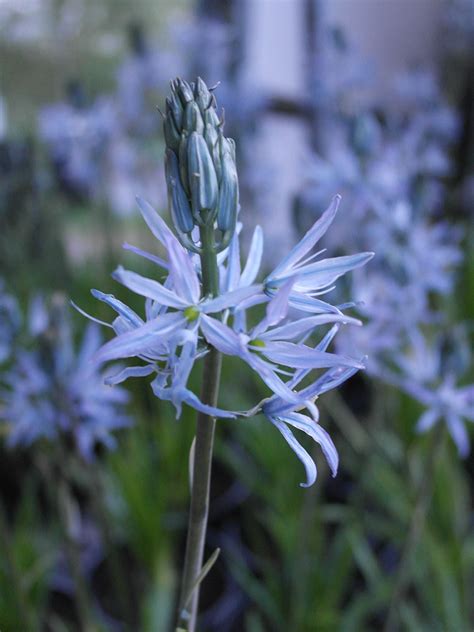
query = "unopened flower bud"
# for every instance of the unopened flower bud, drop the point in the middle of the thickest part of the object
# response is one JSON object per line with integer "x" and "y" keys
{"x": 202, "y": 180}
{"x": 201, "y": 172}
{"x": 179, "y": 208}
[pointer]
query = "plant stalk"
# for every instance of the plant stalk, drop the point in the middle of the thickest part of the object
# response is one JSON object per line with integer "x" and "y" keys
{"x": 25, "y": 614}
{"x": 83, "y": 605}
{"x": 417, "y": 523}
{"x": 205, "y": 426}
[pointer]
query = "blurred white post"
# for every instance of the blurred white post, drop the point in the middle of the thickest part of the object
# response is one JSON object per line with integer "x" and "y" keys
{"x": 274, "y": 49}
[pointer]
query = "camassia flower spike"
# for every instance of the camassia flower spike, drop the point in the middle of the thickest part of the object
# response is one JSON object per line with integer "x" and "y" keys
{"x": 196, "y": 307}
{"x": 198, "y": 302}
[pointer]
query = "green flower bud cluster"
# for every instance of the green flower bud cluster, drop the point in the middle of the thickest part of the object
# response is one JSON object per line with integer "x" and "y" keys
{"x": 200, "y": 164}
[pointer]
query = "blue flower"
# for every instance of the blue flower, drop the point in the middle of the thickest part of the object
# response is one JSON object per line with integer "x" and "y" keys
{"x": 431, "y": 374}
{"x": 180, "y": 324}
{"x": 51, "y": 390}
{"x": 266, "y": 347}
{"x": 313, "y": 278}
{"x": 283, "y": 414}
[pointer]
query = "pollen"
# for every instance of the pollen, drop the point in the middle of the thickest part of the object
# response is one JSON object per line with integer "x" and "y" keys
{"x": 191, "y": 313}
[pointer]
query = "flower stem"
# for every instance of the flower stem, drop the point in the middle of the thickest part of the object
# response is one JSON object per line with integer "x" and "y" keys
{"x": 25, "y": 615}
{"x": 83, "y": 605}
{"x": 205, "y": 426}
{"x": 121, "y": 591}
{"x": 417, "y": 523}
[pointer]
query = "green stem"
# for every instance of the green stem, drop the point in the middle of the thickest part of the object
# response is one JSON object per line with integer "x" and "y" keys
{"x": 205, "y": 426}
{"x": 115, "y": 570}
{"x": 417, "y": 523}
{"x": 25, "y": 614}
{"x": 59, "y": 495}
{"x": 73, "y": 553}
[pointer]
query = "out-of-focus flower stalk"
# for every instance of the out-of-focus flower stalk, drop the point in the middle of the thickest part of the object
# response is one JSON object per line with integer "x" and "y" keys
{"x": 424, "y": 495}
{"x": 25, "y": 615}
{"x": 59, "y": 494}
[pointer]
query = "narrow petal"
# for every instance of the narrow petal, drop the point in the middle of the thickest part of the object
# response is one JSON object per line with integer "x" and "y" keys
{"x": 328, "y": 338}
{"x": 254, "y": 259}
{"x": 89, "y": 317}
{"x": 318, "y": 434}
{"x": 301, "y": 356}
{"x": 182, "y": 272}
{"x": 313, "y": 235}
{"x": 192, "y": 400}
{"x": 233, "y": 265}
{"x": 329, "y": 380}
{"x": 140, "y": 340}
{"x": 131, "y": 371}
{"x": 458, "y": 432}
{"x": 91, "y": 341}
{"x": 146, "y": 255}
{"x": 155, "y": 223}
{"x": 271, "y": 379}
{"x": 310, "y": 304}
{"x": 231, "y": 299}
{"x": 122, "y": 310}
{"x": 149, "y": 288}
{"x": 427, "y": 420}
{"x": 220, "y": 336}
{"x": 323, "y": 273}
{"x": 304, "y": 325}
{"x": 304, "y": 457}
{"x": 277, "y": 308}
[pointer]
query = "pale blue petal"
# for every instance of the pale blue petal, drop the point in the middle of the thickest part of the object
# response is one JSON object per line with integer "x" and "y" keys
{"x": 233, "y": 265}
{"x": 300, "y": 356}
{"x": 146, "y": 255}
{"x": 310, "y": 304}
{"x": 131, "y": 371}
{"x": 271, "y": 379}
{"x": 329, "y": 380}
{"x": 304, "y": 457}
{"x": 328, "y": 338}
{"x": 304, "y": 325}
{"x": 192, "y": 400}
{"x": 140, "y": 340}
{"x": 231, "y": 299}
{"x": 127, "y": 314}
{"x": 149, "y": 288}
{"x": 155, "y": 223}
{"x": 458, "y": 432}
{"x": 220, "y": 336}
{"x": 247, "y": 303}
{"x": 182, "y": 273}
{"x": 323, "y": 273}
{"x": 427, "y": 420}
{"x": 309, "y": 240}
{"x": 277, "y": 308}
{"x": 88, "y": 316}
{"x": 318, "y": 434}
{"x": 185, "y": 362}
{"x": 91, "y": 341}
{"x": 254, "y": 259}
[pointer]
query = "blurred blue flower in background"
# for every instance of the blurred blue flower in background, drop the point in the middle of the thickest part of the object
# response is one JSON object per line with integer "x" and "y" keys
{"x": 431, "y": 372}
{"x": 52, "y": 391}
